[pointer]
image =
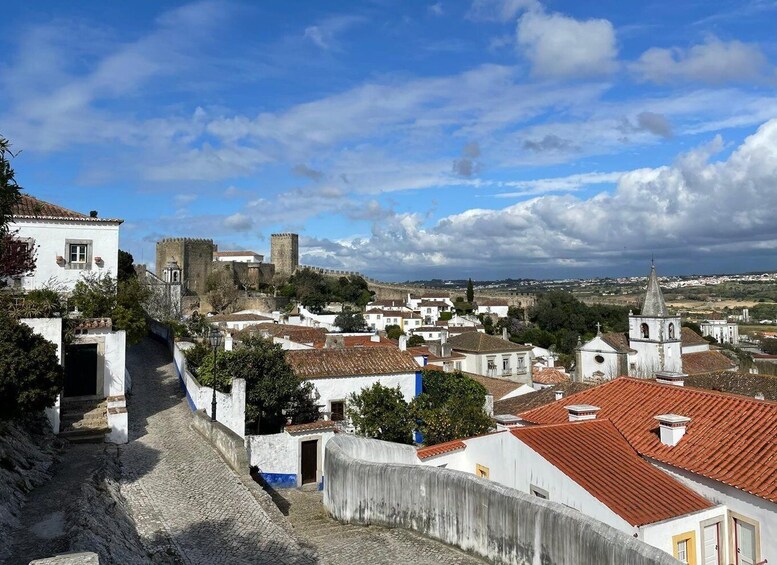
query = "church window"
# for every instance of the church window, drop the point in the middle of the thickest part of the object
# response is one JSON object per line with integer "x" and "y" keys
{"x": 671, "y": 331}
{"x": 599, "y": 359}
{"x": 645, "y": 331}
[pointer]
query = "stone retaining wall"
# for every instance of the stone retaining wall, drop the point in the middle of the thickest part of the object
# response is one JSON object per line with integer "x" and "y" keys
{"x": 375, "y": 482}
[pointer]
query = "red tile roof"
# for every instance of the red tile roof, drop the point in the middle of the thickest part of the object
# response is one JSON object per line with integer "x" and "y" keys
{"x": 312, "y": 426}
{"x": 519, "y": 404}
{"x": 476, "y": 342}
{"x": 239, "y": 318}
{"x": 299, "y": 334}
{"x": 690, "y": 337}
{"x": 359, "y": 341}
{"x": 350, "y": 362}
{"x": 549, "y": 376}
{"x": 440, "y": 448}
{"x": 30, "y": 207}
{"x": 730, "y": 439}
{"x": 597, "y": 457}
{"x": 94, "y": 324}
{"x": 618, "y": 341}
{"x": 495, "y": 387}
{"x": 703, "y": 362}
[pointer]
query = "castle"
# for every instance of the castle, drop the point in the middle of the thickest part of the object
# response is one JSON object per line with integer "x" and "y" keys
{"x": 189, "y": 262}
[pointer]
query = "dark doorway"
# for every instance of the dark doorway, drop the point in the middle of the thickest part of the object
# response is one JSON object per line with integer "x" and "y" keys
{"x": 309, "y": 461}
{"x": 81, "y": 370}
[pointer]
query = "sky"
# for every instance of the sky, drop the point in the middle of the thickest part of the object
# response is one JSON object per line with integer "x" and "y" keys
{"x": 409, "y": 140}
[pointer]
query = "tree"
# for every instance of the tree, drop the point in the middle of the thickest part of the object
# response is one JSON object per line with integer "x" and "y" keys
{"x": 769, "y": 346}
{"x": 382, "y": 413}
{"x": 273, "y": 391}
{"x": 221, "y": 289}
{"x": 17, "y": 258}
{"x": 126, "y": 266}
{"x": 394, "y": 332}
{"x": 470, "y": 291}
{"x": 351, "y": 322}
{"x": 415, "y": 340}
{"x": 30, "y": 374}
{"x": 451, "y": 406}
{"x": 98, "y": 296}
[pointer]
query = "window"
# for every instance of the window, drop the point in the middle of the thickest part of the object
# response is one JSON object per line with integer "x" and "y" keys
{"x": 481, "y": 471}
{"x": 644, "y": 331}
{"x": 599, "y": 359}
{"x": 538, "y": 492}
{"x": 682, "y": 551}
{"x": 521, "y": 363}
{"x": 684, "y": 547}
{"x": 671, "y": 331}
{"x": 457, "y": 364}
{"x": 506, "y": 365}
{"x": 338, "y": 411}
{"x": 77, "y": 253}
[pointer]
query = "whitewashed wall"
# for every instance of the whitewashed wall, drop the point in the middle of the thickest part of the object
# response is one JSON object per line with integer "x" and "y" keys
{"x": 115, "y": 361}
{"x": 338, "y": 388}
{"x": 278, "y": 456}
{"x": 736, "y": 500}
{"x": 478, "y": 363}
{"x": 660, "y": 534}
{"x": 51, "y": 330}
{"x": 50, "y": 237}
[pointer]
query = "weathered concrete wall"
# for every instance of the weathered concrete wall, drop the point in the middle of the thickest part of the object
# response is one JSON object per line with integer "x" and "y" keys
{"x": 374, "y": 482}
{"x": 228, "y": 443}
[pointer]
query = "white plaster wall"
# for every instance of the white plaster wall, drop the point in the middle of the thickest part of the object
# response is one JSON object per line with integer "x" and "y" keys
{"x": 660, "y": 534}
{"x": 48, "y": 328}
{"x": 50, "y": 239}
{"x": 478, "y": 363}
{"x": 695, "y": 348}
{"x": 589, "y": 365}
{"x": 513, "y": 464}
{"x": 339, "y": 388}
{"x": 649, "y": 351}
{"x": 500, "y": 311}
{"x": 115, "y": 360}
{"x": 288, "y": 345}
{"x": 724, "y": 332}
{"x": 280, "y": 453}
{"x": 736, "y": 500}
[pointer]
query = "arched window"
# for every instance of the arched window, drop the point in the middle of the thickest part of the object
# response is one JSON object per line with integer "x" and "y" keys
{"x": 645, "y": 331}
{"x": 671, "y": 331}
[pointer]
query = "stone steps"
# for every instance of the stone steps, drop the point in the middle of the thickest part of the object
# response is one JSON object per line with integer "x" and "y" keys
{"x": 84, "y": 421}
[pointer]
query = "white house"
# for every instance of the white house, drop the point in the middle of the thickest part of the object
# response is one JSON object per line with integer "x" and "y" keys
{"x": 337, "y": 373}
{"x": 429, "y": 333}
{"x": 492, "y": 356}
{"x": 588, "y": 466}
{"x": 239, "y": 320}
{"x": 491, "y": 306}
{"x": 67, "y": 243}
{"x": 719, "y": 445}
{"x": 238, "y": 256}
{"x": 722, "y": 330}
{"x": 442, "y": 298}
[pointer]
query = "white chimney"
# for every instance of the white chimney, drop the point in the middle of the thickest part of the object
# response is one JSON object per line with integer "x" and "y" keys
{"x": 670, "y": 378}
{"x": 672, "y": 428}
{"x": 582, "y": 412}
{"x": 559, "y": 394}
{"x": 504, "y": 334}
{"x": 759, "y": 396}
{"x": 443, "y": 336}
{"x": 375, "y": 338}
{"x": 403, "y": 343}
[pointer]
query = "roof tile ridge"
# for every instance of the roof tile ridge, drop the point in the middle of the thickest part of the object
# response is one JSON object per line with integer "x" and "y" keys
{"x": 703, "y": 391}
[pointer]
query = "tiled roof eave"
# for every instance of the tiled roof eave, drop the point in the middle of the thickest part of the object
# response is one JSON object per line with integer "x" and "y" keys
{"x": 361, "y": 374}
{"x": 69, "y": 219}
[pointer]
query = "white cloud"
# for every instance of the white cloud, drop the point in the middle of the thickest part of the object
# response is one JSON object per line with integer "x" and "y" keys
{"x": 325, "y": 33}
{"x": 569, "y": 183}
{"x": 239, "y": 222}
{"x": 712, "y": 62}
{"x": 692, "y": 209}
{"x": 499, "y": 10}
{"x": 436, "y": 9}
{"x": 559, "y": 46}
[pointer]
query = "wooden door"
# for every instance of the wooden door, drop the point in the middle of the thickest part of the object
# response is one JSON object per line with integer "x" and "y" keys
{"x": 745, "y": 542}
{"x": 80, "y": 370}
{"x": 712, "y": 544}
{"x": 309, "y": 461}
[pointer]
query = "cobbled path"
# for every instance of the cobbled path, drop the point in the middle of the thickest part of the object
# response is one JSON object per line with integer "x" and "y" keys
{"x": 183, "y": 497}
{"x": 345, "y": 544}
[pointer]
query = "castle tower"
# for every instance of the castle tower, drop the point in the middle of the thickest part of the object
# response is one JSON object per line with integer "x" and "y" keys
{"x": 284, "y": 253}
{"x": 655, "y": 334}
{"x": 193, "y": 257}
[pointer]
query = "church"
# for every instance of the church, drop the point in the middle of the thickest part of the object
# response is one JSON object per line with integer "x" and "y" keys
{"x": 656, "y": 341}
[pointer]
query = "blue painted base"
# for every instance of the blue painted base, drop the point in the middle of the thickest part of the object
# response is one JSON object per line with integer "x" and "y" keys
{"x": 280, "y": 480}
{"x": 321, "y": 484}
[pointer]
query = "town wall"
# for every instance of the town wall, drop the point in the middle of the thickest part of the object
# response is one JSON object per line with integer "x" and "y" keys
{"x": 284, "y": 252}
{"x": 381, "y": 483}
{"x": 194, "y": 257}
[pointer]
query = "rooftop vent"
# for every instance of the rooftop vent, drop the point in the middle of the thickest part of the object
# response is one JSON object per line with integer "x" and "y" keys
{"x": 672, "y": 427}
{"x": 559, "y": 394}
{"x": 375, "y": 338}
{"x": 93, "y": 213}
{"x": 507, "y": 420}
{"x": 670, "y": 378}
{"x": 759, "y": 396}
{"x": 581, "y": 412}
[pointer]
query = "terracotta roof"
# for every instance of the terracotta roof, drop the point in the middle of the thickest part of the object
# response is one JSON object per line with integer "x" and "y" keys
{"x": 300, "y": 334}
{"x": 477, "y": 342}
{"x": 736, "y": 383}
{"x": 490, "y": 302}
{"x": 350, "y": 362}
{"x": 495, "y": 387}
{"x": 436, "y": 295}
{"x": 312, "y": 426}
{"x": 390, "y": 303}
{"x": 597, "y": 457}
{"x": 690, "y": 337}
{"x": 431, "y": 304}
{"x": 427, "y": 329}
{"x": 549, "y": 376}
{"x": 702, "y": 362}
{"x": 617, "y": 340}
{"x": 730, "y": 438}
{"x": 440, "y": 448}
{"x": 236, "y": 254}
{"x": 94, "y": 324}
{"x": 359, "y": 341}
{"x": 30, "y": 207}
{"x": 239, "y": 318}
{"x": 519, "y": 404}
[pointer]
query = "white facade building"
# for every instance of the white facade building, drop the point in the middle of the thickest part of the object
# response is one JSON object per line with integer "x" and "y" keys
{"x": 722, "y": 330}
{"x": 491, "y": 356}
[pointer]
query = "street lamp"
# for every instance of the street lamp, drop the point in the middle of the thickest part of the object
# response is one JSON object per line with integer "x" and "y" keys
{"x": 214, "y": 337}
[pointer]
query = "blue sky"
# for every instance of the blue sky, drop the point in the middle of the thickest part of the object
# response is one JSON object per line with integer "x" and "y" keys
{"x": 407, "y": 140}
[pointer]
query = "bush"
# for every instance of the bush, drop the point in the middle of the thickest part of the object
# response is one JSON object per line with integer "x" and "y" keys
{"x": 382, "y": 413}
{"x": 30, "y": 374}
{"x": 394, "y": 332}
{"x": 415, "y": 340}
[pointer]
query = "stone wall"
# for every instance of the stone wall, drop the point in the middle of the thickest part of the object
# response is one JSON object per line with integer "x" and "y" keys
{"x": 375, "y": 482}
{"x": 284, "y": 250}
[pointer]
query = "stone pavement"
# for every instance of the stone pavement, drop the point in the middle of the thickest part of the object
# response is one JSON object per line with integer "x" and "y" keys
{"x": 346, "y": 544}
{"x": 183, "y": 497}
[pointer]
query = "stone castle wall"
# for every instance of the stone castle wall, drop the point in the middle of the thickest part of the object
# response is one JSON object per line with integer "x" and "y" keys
{"x": 194, "y": 257}
{"x": 284, "y": 253}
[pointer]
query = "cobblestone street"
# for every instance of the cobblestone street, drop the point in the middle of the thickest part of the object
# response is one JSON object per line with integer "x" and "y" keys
{"x": 345, "y": 544}
{"x": 182, "y": 496}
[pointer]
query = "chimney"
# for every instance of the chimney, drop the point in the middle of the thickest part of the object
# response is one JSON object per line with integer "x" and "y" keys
{"x": 670, "y": 378}
{"x": 375, "y": 338}
{"x": 505, "y": 336}
{"x": 334, "y": 341}
{"x": 443, "y": 336}
{"x": 672, "y": 428}
{"x": 93, "y": 213}
{"x": 559, "y": 394}
{"x": 403, "y": 343}
{"x": 759, "y": 396}
{"x": 582, "y": 412}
